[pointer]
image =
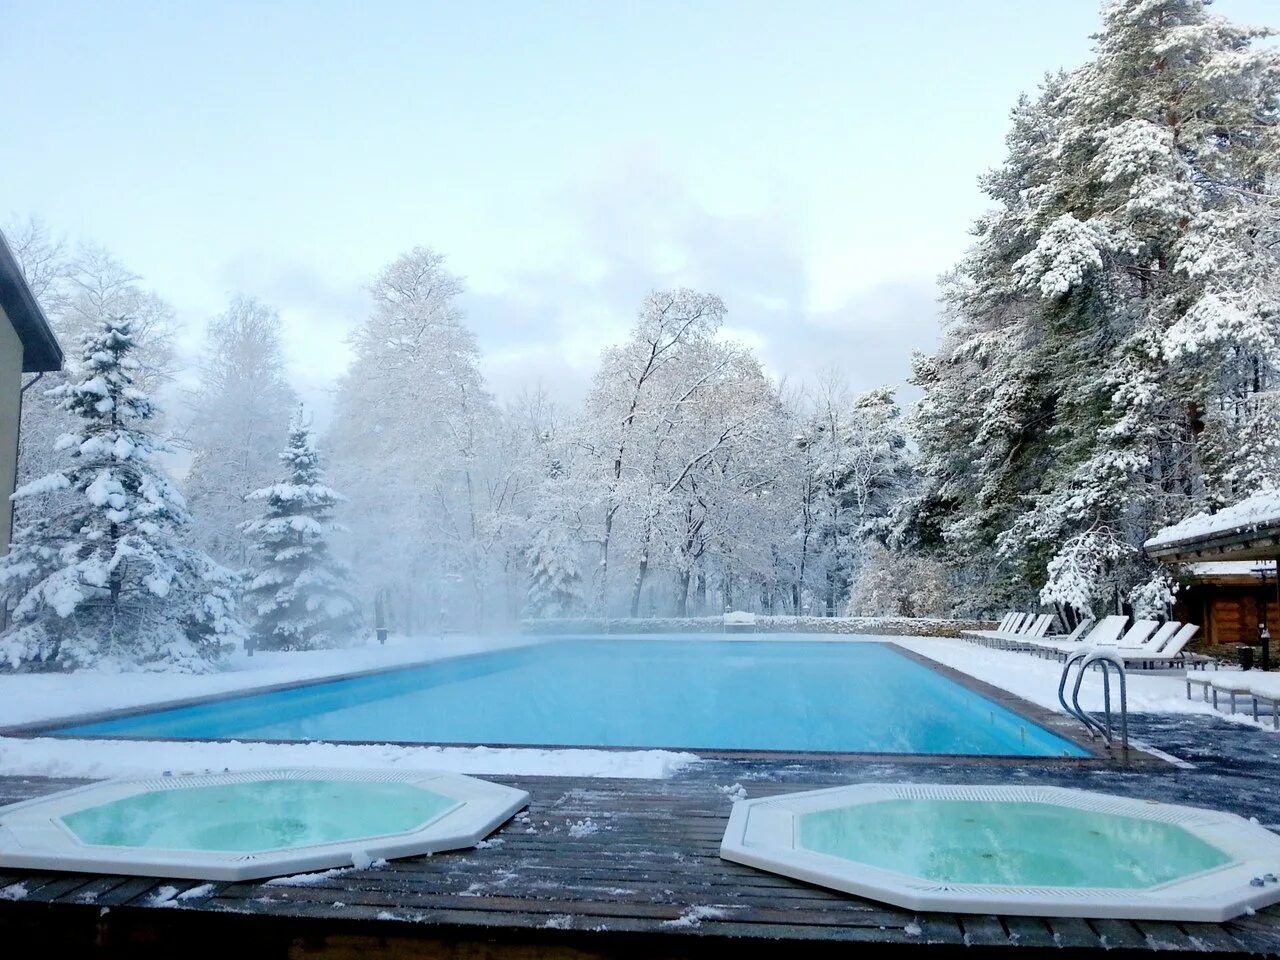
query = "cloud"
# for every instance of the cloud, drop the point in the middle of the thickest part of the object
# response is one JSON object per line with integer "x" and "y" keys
{"x": 318, "y": 310}
{"x": 638, "y": 226}
{"x": 632, "y": 226}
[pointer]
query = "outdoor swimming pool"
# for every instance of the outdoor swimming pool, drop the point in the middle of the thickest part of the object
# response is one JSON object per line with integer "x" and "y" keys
{"x": 680, "y": 691}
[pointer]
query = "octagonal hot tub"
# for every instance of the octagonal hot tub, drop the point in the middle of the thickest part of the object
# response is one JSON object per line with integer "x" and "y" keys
{"x": 241, "y": 826}
{"x": 1037, "y": 851}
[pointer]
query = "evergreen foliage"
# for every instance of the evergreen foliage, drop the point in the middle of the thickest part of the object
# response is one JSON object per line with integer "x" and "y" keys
{"x": 101, "y": 575}
{"x": 1113, "y": 340}
{"x": 296, "y": 591}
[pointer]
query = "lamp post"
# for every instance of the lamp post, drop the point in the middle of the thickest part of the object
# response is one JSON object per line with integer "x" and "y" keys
{"x": 1264, "y": 633}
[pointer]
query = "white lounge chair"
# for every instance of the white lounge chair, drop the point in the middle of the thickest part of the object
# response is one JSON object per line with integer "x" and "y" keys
{"x": 1136, "y": 637}
{"x": 1106, "y": 632}
{"x": 1063, "y": 641}
{"x": 1007, "y": 624}
{"x": 1026, "y": 627}
{"x": 1170, "y": 651}
{"x": 1033, "y": 630}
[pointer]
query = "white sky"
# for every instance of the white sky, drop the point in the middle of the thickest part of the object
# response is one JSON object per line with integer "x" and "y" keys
{"x": 814, "y": 163}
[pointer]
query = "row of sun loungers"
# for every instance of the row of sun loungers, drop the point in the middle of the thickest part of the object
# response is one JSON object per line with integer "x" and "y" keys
{"x": 1146, "y": 644}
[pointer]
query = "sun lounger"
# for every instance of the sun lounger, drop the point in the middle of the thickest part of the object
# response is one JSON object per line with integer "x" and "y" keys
{"x": 1169, "y": 652}
{"x": 1009, "y": 623}
{"x": 1032, "y": 631}
{"x": 1065, "y": 641}
{"x": 1106, "y": 632}
{"x": 1030, "y": 627}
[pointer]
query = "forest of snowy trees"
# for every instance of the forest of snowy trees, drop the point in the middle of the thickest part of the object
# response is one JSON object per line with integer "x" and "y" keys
{"x": 1109, "y": 364}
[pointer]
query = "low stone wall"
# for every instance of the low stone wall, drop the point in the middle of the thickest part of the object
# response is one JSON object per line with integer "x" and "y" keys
{"x": 874, "y": 626}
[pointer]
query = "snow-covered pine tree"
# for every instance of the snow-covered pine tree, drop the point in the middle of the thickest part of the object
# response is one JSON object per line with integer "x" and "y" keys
{"x": 555, "y": 581}
{"x": 77, "y": 289}
{"x": 1113, "y": 333}
{"x": 101, "y": 576}
{"x": 297, "y": 591}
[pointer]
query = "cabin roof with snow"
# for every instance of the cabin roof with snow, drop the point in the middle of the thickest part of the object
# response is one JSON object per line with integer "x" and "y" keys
{"x": 40, "y": 349}
{"x": 1248, "y": 530}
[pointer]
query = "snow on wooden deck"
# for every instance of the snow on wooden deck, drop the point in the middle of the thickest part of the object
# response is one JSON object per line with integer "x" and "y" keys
{"x": 632, "y": 866}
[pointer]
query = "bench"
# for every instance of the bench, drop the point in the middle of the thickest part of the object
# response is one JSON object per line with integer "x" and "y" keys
{"x": 1211, "y": 689}
{"x": 739, "y": 620}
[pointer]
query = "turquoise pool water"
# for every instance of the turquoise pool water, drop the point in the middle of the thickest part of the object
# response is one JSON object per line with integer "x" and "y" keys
{"x": 259, "y": 815}
{"x": 675, "y": 692}
{"x": 1009, "y": 843}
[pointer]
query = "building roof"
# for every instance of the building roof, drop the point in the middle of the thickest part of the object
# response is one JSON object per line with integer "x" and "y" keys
{"x": 1230, "y": 573}
{"x": 1248, "y": 530}
{"x": 40, "y": 349}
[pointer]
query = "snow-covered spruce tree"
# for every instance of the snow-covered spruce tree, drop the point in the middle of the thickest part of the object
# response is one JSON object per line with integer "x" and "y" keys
{"x": 555, "y": 581}
{"x": 77, "y": 289}
{"x": 101, "y": 577}
{"x": 1113, "y": 334}
{"x": 296, "y": 592}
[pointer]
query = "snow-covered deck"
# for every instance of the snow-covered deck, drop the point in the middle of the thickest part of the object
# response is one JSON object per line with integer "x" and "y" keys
{"x": 631, "y": 867}
{"x": 603, "y": 860}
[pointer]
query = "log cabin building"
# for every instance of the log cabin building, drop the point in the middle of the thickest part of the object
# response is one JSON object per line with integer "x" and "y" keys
{"x": 1227, "y": 565}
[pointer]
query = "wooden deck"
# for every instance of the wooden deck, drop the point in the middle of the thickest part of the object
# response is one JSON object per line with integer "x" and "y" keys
{"x": 593, "y": 868}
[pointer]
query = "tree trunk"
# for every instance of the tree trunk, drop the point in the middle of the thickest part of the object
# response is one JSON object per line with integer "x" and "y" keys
{"x": 641, "y": 573}
{"x": 682, "y": 592}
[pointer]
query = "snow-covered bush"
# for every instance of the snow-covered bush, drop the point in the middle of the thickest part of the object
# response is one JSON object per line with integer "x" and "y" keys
{"x": 894, "y": 584}
{"x": 102, "y": 577}
{"x": 296, "y": 591}
{"x": 1153, "y": 600}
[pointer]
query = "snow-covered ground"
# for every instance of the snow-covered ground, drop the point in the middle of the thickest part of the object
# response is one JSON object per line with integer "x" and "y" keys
{"x": 33, "y": 697}
{"x": 48, "y": 757}
{"x": 1036, "y": 679}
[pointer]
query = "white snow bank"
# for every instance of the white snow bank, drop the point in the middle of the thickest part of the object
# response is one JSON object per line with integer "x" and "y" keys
{"x": 49, "y": 757}
{"x": 1261, "y": 508}
{"x": 29, "y": 697}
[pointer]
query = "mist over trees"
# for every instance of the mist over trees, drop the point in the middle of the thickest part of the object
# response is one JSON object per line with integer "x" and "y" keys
{"x": 1110, "y": 365}
{"x": 237, "y": 425}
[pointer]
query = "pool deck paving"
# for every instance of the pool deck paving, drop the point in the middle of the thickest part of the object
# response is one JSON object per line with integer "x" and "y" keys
{"x": 630, "y": 868}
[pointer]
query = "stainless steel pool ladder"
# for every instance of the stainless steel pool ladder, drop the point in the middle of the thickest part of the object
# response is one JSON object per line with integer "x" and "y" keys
{"x": 1106, "y": 661}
